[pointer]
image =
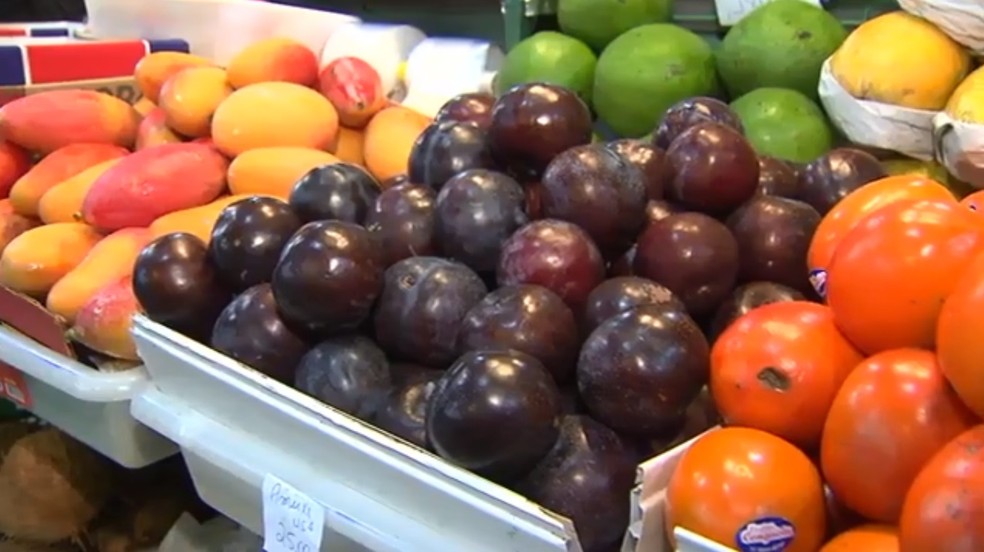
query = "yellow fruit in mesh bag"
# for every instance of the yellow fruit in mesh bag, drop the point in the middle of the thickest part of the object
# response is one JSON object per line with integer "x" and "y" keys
{"x": 902, "y": 60}
{"x": 967, "y": 102}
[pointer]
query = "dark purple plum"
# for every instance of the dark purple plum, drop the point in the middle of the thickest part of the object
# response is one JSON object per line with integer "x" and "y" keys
{"x": 777, "y": 178}
{"x": 835, "y": 174}
{"x": 495, "y": 413}
{"x": 526, "y": 318}
{"x": 476, "y": 211}
{"x": 247, "y": 240}
{"x": 617, "y": 295}
{"x": 748, "y": 297}
{"x": 394, "y": 181}
{"x": 446, "y": 148}
{"x": 402, "y": 221}
{"x": 622, "y": 266}
{"x": 419, "y": 314}
{"x": 693, "y": 111}
{"x": 178, "y": 287}
{"x": 585, "y": 478}
{"x": 251, "y": 331}
{"x": 402, "y": 372}
{"x": 328, "y": 277}
{"x": 598, "y": 190}
{"x": 340, "y": 191}
{"x": 473, "y": 107}
{"x": 554, "y": 254}
{"x": 533, "y": 123}
{"x": 534, "y": 200}
{"x": 640, "y": 370}
{"x": 693, "y": 255}
{"x": 712, "y": 169}
{"x": 647, "y": 158}
{"x": 774, "y": 235}
{"x": 404, "y": 411}
{"x": 348, "y": 372}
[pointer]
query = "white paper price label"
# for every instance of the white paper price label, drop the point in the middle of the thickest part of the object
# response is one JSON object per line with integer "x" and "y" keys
{"x": 730, "y": 12}
{"x": 292, "y": 521}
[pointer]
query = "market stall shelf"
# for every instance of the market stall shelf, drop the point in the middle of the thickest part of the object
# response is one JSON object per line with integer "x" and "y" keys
{"x": 236, "y": 427}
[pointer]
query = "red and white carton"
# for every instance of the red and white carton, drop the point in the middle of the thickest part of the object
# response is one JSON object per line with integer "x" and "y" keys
{"x": 31, "y": 65}
{"x": 51, "y": 29}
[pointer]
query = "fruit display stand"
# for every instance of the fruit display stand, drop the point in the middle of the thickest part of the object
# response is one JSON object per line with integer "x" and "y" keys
{"x": 93, "y": 406}
{"x": 237, "y": 428}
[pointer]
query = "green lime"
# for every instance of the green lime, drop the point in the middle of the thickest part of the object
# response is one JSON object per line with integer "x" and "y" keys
{"x": 784, "y": 123}
{"x": 598, "y": 22}
{"x": 645, "y": 71}
{"x": 552, "y": 58}
{"x": 780, "y": 44}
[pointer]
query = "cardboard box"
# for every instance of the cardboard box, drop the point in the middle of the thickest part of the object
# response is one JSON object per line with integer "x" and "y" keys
{"x": 31, "y": 65}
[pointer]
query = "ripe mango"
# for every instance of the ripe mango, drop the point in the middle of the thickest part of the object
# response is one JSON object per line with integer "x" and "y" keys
{"x": 54, "y": 169}
{"x": 154, "y": 69}
{"x": 270, "y": 114}
{"x": 274, "y": 171}
{"x": 189, "y": 99}
{"x": 12, "y": 224}
{"x": 389, "y": 138}
{"x": 153, "y": 130}
{"x": 143, "y": 106}
{"x": 274, "y": 59}
{"x": 47, "y": 121}
{"x": 14, "y": 163}
{"x": 34, "y": 261}
{"x": 198, "y": 221}
{"x": 348, "y": 146}
{"x": 151, "y": 183}
{"x": 111, "y": 259}
{"x": 63, "y": 202}
{"x": 103, "y": 322}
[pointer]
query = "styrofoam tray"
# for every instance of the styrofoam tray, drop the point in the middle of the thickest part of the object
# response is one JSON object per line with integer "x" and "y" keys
{"x": 92, "y": 406}
{"x": 216, "y": 29}
{"x": 236, "y": 426}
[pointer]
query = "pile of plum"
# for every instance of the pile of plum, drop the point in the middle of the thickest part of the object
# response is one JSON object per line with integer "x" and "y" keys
{"x": 527, "y": 304}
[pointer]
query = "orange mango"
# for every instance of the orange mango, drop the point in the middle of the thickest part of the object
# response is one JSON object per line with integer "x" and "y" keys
{"x": 389, "y": 138}
{"x": 103, "y": 323}
{"x": 63, "y": 202}
{"x": 155, "y": 69}
{"x": 274, "y": 59}
{"x": 14, "y": 163}
{"x": 190, "y": 97}
{"x": 34, "y": 261}
{"x": 12, "y": 224}
{"x": 274, "y": 171}
{"x": 111, "y": 259}
{"x": 47, "y": 121}
{"x": 143, "y": 106}
{"x": 349, "y": 145}
{"x": 54, "y": 169}
{"x": 197, "y": 220}
{"x": 153, "y": 130}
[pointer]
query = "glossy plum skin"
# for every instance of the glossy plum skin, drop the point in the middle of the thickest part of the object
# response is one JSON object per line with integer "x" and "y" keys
{"x": 247, "y": 240}
{"x": 533, "y": 123}
{"x": 598, "y": 190}
{"x": 554, "y": 254}
{"x": 586, "y": 477}
{"x": 347, "y": 372}
{"x": 778, "y": 178}
{"x": 649, "y": 159}
{"x": 475, "y": 212}
{"x": 712, "y": 169}
{"x": 251, "y": 331}
{"x": 526, "y": 318}
{"x": 420, "y": 311}
{"x": 328, "y": 277}
{"x": 495, "y": 413}
{"x": 404, "y": 411}
{"x": 773, "y": 235}
{"x": 690, "y": 112}
{"x": 446, "y": 148}
{"x": 340, "y": 191}
{"x": 693, "y": 255}
{"x": 835, "y": 174}
{"x": 617, "y": 295}
{"x": 639, "y": 370}
{"x": 473, "y": 107}
{"x": 178, "y": 287}
{"x": 746, "y": 298}
{"x": 402, "y": 221}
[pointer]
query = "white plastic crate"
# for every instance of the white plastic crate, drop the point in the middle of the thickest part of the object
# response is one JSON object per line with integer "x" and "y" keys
{"x": 216, "y": 29}
{"x": 92, "y": 406}
{"x": 236, "y": 426}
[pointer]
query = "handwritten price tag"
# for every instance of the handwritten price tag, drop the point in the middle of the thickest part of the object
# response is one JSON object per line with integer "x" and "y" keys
{"x": 292, "y": 521}
{"x": 731, "y": 11}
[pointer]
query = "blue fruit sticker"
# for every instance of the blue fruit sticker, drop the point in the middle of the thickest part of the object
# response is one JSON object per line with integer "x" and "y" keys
{"x": 768, "y": 534}
{"x": 818, "y": 279}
